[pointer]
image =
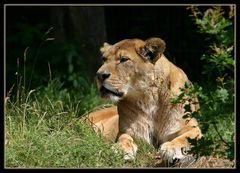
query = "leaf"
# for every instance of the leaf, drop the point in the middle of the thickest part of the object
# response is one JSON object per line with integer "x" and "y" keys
{"x": 222, "y": 93}
{"x": 195, "y": 114}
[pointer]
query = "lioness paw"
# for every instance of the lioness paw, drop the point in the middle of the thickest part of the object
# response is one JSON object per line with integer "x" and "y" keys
{"x": 130, "y": 150}
{"x": 128, "y": 146}
{"x": 128, "y": 154}
{"x": 170, "y": 151}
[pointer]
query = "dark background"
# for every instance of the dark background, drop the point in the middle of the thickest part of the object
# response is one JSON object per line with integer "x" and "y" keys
{"x": 79, "y": 32}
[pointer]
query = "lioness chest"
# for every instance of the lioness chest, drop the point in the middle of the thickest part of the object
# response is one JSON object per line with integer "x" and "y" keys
{"x": 148, "y": 121}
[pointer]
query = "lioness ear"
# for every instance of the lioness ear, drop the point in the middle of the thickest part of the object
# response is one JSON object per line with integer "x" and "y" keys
{"x": 153, "y": 49}
{"x": 105, "y": 47}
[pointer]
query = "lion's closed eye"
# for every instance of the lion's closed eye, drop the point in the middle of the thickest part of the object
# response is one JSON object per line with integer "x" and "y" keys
{"x": 123, "y": 59}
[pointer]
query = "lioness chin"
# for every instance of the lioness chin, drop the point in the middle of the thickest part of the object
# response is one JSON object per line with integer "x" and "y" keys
{"x": 137, "y": 75}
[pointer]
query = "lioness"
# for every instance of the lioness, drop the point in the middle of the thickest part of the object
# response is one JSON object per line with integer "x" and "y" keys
{"x": 138, "y": 76}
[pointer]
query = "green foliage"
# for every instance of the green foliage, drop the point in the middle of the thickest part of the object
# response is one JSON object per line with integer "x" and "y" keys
{"x": 216, "y": 116}
{"x": 220, "y": 60}
{"x": 219, "y": 31}
{"x": 216, "y": 120}
{"x": 213, "y": 22}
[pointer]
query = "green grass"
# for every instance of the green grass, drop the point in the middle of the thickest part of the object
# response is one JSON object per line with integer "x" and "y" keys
{"x": 43, "y": 131}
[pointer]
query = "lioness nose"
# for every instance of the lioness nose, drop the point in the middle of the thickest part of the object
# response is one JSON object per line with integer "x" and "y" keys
{"x": 103, "y": 76}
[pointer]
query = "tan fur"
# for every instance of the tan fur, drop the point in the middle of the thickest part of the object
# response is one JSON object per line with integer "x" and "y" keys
{"x": 143, "y": 86}
{"x": 105, "y": 121}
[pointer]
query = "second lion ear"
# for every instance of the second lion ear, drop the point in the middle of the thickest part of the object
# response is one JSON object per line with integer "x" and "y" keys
{"x": 105, "y": 47}
{"x": 153, "y": 49}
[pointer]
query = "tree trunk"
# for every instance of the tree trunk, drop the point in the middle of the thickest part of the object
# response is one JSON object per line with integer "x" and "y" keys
{"x": 86, "y": 27}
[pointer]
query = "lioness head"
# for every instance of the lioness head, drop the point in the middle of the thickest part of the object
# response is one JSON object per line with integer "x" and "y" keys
{"x": 127, "y": 65}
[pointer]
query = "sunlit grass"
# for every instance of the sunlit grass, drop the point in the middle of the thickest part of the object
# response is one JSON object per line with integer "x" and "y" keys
{"x": 43, "y": 130}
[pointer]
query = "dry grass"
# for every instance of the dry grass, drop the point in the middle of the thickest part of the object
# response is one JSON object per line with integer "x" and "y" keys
{"x": 211, "y": 162}
{"x": 202, "y": 162}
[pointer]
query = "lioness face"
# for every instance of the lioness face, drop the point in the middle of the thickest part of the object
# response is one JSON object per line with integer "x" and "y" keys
{"x": 126, "y": 65}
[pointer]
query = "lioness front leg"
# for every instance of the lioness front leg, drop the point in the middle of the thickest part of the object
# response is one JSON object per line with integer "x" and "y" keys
{"x": 178, "y": 147}
{"x": 126, "y": 143}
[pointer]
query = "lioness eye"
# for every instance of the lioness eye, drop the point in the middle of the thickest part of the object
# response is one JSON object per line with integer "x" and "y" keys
{"x": 123, "y": 59}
